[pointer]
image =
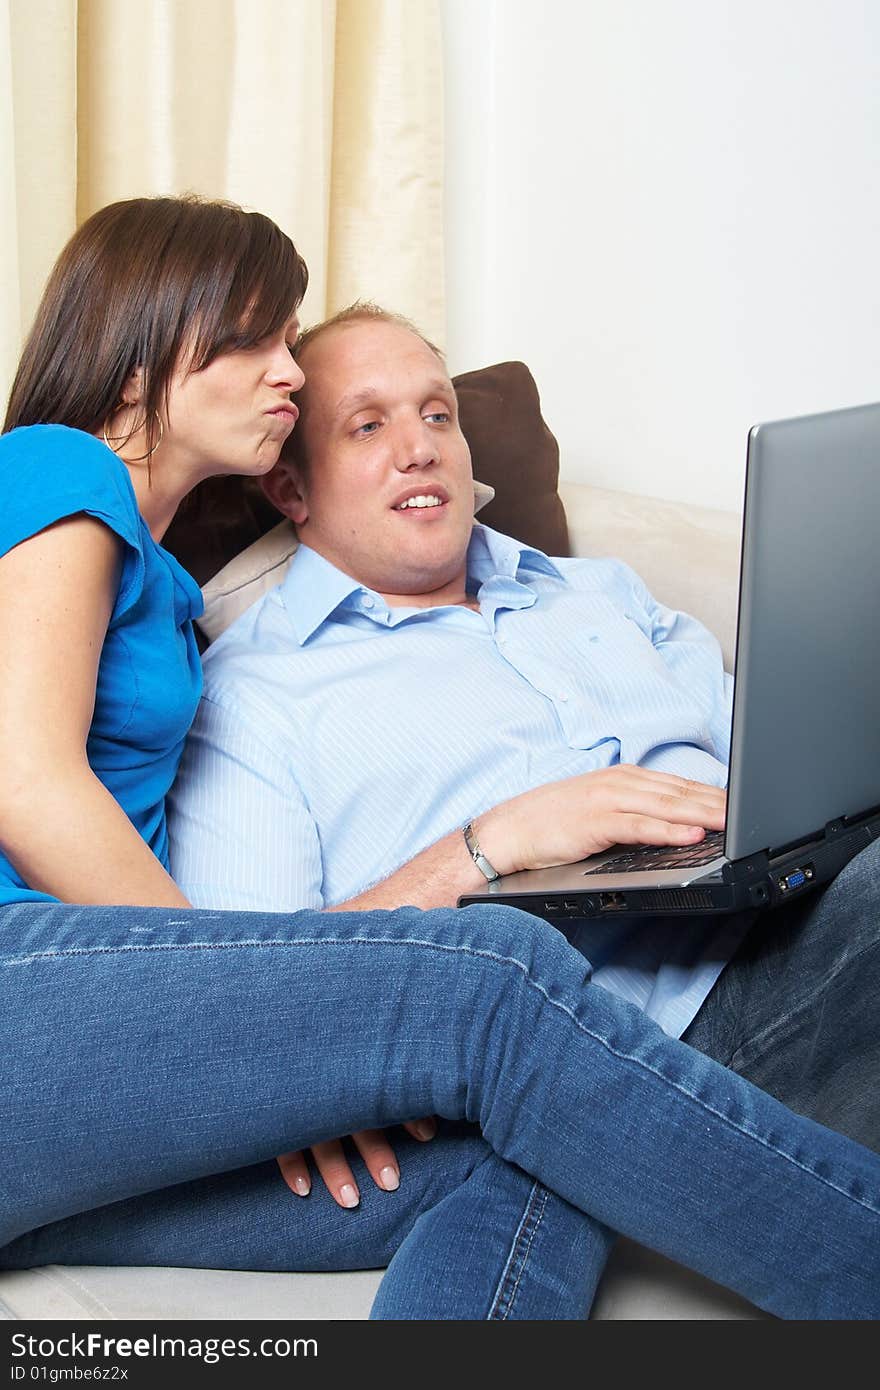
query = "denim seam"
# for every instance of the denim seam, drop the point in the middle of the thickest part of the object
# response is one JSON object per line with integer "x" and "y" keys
{"x": 495, "y": 958}
{"x": 518, "y": 1257}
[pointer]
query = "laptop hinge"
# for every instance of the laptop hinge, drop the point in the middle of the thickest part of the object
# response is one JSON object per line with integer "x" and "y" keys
{"x": 756, "y": 865}
{"x": 746, "y": 870}
{"x": 839, "y": 826}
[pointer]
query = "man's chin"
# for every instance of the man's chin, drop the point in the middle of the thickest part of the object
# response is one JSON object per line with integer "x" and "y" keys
{"x": 419, "y": 584}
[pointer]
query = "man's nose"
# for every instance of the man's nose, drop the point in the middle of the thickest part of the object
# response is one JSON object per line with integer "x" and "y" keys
{"x": 415, "y": 448}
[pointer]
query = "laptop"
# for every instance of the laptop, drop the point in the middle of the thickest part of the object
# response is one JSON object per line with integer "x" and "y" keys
{"x": 804, "y": 777}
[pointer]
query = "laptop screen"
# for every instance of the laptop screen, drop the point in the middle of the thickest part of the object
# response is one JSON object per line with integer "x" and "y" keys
{"x": 806, "y": 720}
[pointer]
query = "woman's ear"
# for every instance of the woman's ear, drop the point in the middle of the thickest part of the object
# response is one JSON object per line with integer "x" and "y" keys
{"x": 133, "y": 390}
{"x": 285, "y": 491}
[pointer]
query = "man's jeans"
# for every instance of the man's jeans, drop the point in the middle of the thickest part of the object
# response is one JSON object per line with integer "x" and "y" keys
{"x": 797, "y": 1010}
{"x": 146, "y": 1049}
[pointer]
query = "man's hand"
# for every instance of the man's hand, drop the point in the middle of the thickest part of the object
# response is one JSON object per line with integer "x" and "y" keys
{"x": 566, "y": 821}
{"x": 334, "y": 1167}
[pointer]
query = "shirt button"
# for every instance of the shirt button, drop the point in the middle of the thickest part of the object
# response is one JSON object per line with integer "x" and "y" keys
{"x": 368, "y": 602}
{"x": 562, "y": 698}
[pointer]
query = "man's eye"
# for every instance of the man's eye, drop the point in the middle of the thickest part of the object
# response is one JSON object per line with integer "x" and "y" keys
{"x": 369, "y": 428}
{"x": 440, "y": 417}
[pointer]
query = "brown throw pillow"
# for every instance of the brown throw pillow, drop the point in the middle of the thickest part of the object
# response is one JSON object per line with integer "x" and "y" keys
{"x": 512, "y": 450}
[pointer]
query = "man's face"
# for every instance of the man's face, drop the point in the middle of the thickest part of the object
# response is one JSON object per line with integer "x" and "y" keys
{"x": 388, "y": 497}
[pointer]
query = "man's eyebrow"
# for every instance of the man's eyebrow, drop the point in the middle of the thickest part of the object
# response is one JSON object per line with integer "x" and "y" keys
{"x": 353, "y": 401}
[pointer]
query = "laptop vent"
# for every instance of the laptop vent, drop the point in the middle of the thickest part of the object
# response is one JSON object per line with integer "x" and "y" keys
{"x": 684, "y": 899}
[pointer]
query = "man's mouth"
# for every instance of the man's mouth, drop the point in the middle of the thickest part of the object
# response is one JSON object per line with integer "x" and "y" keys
{"x": 420, "y": 501}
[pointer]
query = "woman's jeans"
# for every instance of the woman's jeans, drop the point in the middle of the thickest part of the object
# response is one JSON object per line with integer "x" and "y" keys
{"x": 146, "y": 1049}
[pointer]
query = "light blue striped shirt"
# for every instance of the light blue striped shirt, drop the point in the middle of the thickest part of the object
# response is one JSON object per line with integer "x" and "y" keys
{"x": 337, "y": 737}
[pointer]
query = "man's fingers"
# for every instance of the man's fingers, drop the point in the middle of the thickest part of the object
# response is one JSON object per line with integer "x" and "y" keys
{"x": 671, "y": 779}
{"x": 634, "y": 829}
{"x": 378, "y": 1155}
{"x": 673, "y": 786}
{"x": 694, "y": 809}
{"x": 666, "y": 806}
{"x": 295, "y": 1172}
{"x": 334, "y": 1168}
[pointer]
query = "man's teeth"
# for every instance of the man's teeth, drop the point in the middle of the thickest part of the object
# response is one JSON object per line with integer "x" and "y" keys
{"x": 423, "y": 500}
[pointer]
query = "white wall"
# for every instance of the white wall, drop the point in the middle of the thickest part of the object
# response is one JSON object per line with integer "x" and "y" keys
{"x": 671, "y": 211}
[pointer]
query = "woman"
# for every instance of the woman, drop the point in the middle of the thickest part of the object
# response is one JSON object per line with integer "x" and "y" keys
{"x": 158, "y": 1056}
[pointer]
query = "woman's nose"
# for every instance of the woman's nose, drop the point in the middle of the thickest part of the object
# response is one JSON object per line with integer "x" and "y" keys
{"x": 284, "y": 371}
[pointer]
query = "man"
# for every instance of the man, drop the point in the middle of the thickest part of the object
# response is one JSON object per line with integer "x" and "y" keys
{"x": 415, "y": 673}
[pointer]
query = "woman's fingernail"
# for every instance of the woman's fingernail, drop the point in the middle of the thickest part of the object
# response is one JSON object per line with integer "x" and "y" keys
{"x": 350, "y": 1196}
{"x": 390, "y": 1179}
{"x": 302, "y": 1186}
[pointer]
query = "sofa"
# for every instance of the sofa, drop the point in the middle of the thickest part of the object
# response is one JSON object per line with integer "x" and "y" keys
{"x": 689, "y": 558}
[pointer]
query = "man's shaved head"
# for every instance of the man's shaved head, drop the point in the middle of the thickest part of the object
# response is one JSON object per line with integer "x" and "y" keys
{"x": 296, "y": 447}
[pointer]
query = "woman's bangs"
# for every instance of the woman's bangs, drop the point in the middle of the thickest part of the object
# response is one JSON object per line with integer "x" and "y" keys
{"x": 262, "y": 294}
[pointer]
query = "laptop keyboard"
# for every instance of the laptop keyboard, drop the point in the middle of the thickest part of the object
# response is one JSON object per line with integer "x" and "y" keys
{"x": 663, "y": 857}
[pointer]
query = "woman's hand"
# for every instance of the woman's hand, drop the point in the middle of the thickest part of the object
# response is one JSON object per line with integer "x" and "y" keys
{"x": 566, "y": 821}
{"x": 334, "y": 1168}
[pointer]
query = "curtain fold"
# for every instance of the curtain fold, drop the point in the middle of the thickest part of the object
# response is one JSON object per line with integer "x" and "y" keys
{"x": 38, "y": 154}
{"x": 324, "y": 114}
{"x": 386, "y": 192}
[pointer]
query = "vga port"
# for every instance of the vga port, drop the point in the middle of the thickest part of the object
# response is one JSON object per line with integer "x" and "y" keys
{"x": 796, "y": 878}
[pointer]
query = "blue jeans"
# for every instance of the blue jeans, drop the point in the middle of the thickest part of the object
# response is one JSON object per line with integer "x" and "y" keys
{"x": 796, "y": 1009}
{"x": 145, "y": 1050}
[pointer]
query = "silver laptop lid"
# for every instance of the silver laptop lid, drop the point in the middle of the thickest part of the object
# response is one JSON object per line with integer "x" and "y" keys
{"x": 806, "y": 719}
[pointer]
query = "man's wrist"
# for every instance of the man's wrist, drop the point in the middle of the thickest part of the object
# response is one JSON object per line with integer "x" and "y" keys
{"x": 493, "y": 832}
{"x": 489, "y": 872}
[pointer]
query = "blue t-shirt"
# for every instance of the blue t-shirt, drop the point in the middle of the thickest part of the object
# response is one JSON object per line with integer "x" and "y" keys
{"x": 149, "y": 675}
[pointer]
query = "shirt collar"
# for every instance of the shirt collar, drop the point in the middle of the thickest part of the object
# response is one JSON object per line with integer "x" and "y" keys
{"x": 490, "y": 553}
{"x": 313, "y": 589}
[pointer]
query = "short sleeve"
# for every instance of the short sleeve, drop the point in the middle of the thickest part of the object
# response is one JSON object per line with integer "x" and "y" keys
{"x": 49, "y": 472}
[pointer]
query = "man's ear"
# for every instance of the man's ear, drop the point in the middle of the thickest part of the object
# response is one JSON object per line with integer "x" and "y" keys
{"x": 285, "y": 491}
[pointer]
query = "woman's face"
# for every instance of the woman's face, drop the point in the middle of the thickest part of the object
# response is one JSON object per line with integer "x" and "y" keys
{"x": 234, "y": 415}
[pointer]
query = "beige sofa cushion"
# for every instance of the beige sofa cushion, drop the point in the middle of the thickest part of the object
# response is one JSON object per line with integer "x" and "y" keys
{"x": 638, "y": 1285}
{"x": 688, "y": 556}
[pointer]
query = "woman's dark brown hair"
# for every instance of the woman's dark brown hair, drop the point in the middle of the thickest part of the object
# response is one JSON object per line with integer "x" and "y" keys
{"x": 140, "y": 282}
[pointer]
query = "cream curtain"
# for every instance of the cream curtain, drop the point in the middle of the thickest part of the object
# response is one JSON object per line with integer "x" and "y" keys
{"x": 325, "y": 114}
